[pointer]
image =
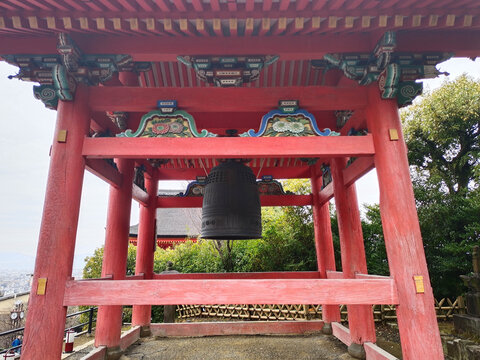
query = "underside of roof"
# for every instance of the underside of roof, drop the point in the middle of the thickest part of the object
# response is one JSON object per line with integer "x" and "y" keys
{"x": 231, "y": 18}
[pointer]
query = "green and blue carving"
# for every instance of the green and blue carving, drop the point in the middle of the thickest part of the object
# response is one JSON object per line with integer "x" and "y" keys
{"x": 395, "y": 72}
{"x": 64, "y": 83}
{"x": 342, "y": 117}
{"x": 195, "y": 189}
{"x": 158, "y": 124}
{"x": 268, "y": 186}
{"x": 70, "y": 66}
{"x": 46, "y": 94}
{"x": 278, "y": 123}
{"x": 228, "y": 71}
{"x": 326, "y": 175}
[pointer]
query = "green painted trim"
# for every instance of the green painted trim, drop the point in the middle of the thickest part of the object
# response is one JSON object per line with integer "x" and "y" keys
{"x": 147, "y": 117}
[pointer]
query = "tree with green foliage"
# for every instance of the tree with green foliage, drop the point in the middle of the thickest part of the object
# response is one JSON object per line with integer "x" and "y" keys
{"x": 93, "y": 264}
{"x": 442, "y": 135}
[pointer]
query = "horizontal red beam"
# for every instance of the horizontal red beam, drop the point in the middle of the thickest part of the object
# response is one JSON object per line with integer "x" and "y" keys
{"x": 236, "y": 328}
{"x": 237, "y": 276}
{"x": 351, "y": 174}
{"x": 325, "y": 194}
{"x": 129, "y": 337}
{"x": 342, "y": 333}
{"x": 259, "y": 291}
{"x": 339, "y": 275}
{"x": 287, "y": 47}
{"x": 297, "y": 172}
{"x": 357, "y": 169}
{"x": 140, "y": 276}
{"x": 104, "y": 171}
{"x": 357, "y": 121}
{"x": 139, "y": 195}
{"x": 334, "y": 274}
{"x": 265, "y": 200}
{"x": 98, "y": 353}
{"x": 216, "y": 99}
{"x": 239, "y": 147}
{"x": 375, "y": 352}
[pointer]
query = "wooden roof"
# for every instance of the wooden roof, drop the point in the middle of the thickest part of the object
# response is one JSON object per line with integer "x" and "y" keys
{"x": 297, "y": 31}
{"x": 232, "y": 18}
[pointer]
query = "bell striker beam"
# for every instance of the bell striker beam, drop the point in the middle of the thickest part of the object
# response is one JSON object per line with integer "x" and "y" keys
{"x": 109, "y": 318}
{"x": 417, "y": 320}
{"x": 323, "y": 243}
{"x": 141, "y": 314}
{"x": 360, "y": 317}
{"x": 53, "y": 267}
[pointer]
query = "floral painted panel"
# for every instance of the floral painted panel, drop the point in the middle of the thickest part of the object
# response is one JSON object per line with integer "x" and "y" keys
{"x": 299, "y": 123}
{"x": 158, "y": 124}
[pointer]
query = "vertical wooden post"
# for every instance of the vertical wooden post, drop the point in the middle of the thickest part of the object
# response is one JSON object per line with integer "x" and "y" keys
{"x": 128, "y": 78}
{"x": 323, "y": 245}
{"x": 45, "y": 324}
{"x": 417, "y": 320}
{"x": 360, "y": 317}
{"x": 141, "y": 314}
{"x": 109, "y": 318}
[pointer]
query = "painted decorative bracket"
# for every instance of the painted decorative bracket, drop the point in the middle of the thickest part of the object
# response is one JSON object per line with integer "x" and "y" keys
{"x": 119, "y": 118}
{"x": 395, "y": 72}
{"x": 288, "y": 120}
{"x": 326, "y": 175}
{"x": 139, "y": 178}
{"x": 158, "y": 124}
{"x": 195, "y": 188}
{"x": 342, "y": 117}
{"x": 268, "y": 186}
{"x": 59, "y": 73}
{"x": 227, "y": 71}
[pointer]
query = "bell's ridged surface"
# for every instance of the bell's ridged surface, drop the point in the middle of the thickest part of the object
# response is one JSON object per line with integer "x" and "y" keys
{"x": 231, "y": 203}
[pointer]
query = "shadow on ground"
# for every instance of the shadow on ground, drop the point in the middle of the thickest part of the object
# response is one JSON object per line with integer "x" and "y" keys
{"x": 318, "y": 347}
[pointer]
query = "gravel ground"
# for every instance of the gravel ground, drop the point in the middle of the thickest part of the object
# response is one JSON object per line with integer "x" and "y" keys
{"x": 318, "y": 347}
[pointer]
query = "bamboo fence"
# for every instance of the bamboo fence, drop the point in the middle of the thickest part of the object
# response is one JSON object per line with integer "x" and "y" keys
{"x": 445, "y": 308}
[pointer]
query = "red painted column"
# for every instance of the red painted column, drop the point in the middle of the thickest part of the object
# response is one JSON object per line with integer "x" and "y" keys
{"x": 360, "y": 317}
{"x": 417, "y": 320}
{"x": 109, "y": 318}
{"x": 128, "y": 78}
{"x": 141, "y": 314}
{"x": 323, "y": 244}
{"x": 45, "y": 323}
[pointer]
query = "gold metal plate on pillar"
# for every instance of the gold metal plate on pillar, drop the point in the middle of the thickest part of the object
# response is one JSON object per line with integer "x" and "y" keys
{"x": 42, "y": 286}
{"x": 62, "y": 136}
{"x": 393, "y": 134}
{"x": 419, "y": 286}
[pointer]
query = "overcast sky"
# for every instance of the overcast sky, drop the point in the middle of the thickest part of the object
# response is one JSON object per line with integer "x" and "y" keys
{"x": 25, "y": 138}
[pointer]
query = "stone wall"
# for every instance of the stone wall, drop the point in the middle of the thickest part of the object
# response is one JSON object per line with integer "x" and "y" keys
{"x": 460, "y": 349}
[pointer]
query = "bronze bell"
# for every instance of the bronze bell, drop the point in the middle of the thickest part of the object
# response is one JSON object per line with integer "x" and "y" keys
{"x": 231, "y": 205}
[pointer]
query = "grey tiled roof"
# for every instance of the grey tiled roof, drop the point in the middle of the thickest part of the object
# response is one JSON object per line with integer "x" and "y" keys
{"x": 176, "y": 222}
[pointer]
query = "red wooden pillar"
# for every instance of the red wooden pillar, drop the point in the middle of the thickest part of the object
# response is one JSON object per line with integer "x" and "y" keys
{"x": 109, "y": 318}
{"x": 417, "y": 320}
{"x": 360, "y": 317}
{"x": 128, "y": 78}
{"x": 323, "y": 245}
{"x": 141, "y": 314}
{"x": 45, "y": 324}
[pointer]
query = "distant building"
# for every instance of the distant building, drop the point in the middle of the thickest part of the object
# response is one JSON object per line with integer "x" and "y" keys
{"x": 174, "y": 225}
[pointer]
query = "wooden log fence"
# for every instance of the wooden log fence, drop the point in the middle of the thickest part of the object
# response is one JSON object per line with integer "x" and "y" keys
{"x": 445, "y": 308}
